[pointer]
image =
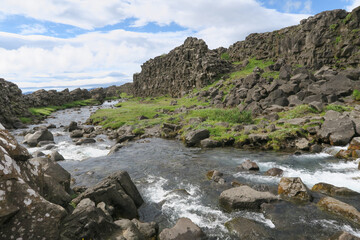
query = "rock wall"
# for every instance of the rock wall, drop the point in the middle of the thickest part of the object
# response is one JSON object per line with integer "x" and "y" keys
{"x": 181, "y": 70}
{"x": 328, "y": 38}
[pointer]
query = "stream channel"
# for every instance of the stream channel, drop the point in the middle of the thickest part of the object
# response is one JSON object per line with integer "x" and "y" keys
{"x": 172, "y": 180}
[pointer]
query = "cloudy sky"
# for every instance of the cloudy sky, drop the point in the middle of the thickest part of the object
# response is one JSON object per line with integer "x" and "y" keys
{"x": 87, "y": 43}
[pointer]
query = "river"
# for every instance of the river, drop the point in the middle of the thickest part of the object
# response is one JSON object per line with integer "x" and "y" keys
{"x": 172, "y": 180}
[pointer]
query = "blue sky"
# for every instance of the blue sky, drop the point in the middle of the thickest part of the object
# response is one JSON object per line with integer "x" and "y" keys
{"x": 72, "y": 43}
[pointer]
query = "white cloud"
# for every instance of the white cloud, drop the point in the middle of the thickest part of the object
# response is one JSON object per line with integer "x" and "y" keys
{"x": 354, "y": 4}
{"x": 291, "y": 5}
{"x": 24, "y": 58}
{"x": 32, "y": 29}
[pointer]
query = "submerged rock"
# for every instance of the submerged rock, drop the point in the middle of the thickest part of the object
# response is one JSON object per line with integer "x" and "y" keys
{"x": 274, "y": 172}
{"x": 248, "y": 229}
{"x": 340, "y": 209}
{"x": 294, "y": 189}
{"x": 184, "y": 229}
{"x": 243, "y": 198}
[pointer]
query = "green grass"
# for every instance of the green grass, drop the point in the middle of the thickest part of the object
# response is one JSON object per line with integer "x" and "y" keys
{"x": 253, "y": 62}
{"x": 225, "y": 56}
{"x": 338, "y": 108}
{"x": 25, "y": 120}
{"x": 46, "y": 111}
{"x": 273, "y": 74}
{"x": 298, "y": 111}
{"x": 356, "y": 95}
{"x": 347, "y": 18}
{"x": 337, "y": 40}
{"x": 333, "y": 26}
{"x": 222, "y": 115}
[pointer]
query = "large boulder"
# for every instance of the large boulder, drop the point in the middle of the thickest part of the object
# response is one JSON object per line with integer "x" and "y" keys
{"x": 354, "y": 144}
{"x": 184, "y": 229}
{"x": 193, "y": 138}
{"x": 87, "y": 222}
{"x": 332, "y": 190}
{"x": 293, "y": 189}
{"x": 248, "y": 165}
{"x": 13, "y": 148}
{"x": 340, "y": 209}
{"x": 244, "y": 198}
{"x": 117, "y": 191}
{"x": 337, "y": 129}
{"x": 24, "y": 213}
{"x": 41, "y": 135}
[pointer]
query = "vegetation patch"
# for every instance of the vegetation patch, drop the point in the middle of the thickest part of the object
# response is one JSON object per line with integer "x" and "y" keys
{"x": 298, "y": 111}
{"x": 347, "y": 18}
{"x": 248, "y": 69}
{"x": 225, "y": 56}
{"x": 338, "y": 108}
{"x": 222, "y": 115}
{"x": 25, "y": 120}
{"x": 356, "y": 95}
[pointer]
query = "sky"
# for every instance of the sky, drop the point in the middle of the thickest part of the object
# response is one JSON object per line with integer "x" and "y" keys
{"x": 57, "y": 44}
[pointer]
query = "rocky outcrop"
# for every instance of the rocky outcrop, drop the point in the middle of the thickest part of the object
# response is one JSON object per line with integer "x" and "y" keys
{"x": 328, "y": 38}
{"x": 181, "y": 70}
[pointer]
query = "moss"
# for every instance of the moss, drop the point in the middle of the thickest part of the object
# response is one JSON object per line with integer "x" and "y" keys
{"x": 337, "y": 40}
{"x": 334, "y": 26}
{"x": 347, "y": 18}
{"x": 72, "y": 204}
{"x": 138, "y": 131}
{"x": 271, "y": 74}
{"x": 225, "y": 56}
{"x": 356, "y": 95}
{"x": 25, "y": 120}
{"x": 248, "y": 69}
{"x": 338, "y": 108}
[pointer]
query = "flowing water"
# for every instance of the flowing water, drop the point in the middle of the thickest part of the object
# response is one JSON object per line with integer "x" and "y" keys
{"x": 172, "y": 180}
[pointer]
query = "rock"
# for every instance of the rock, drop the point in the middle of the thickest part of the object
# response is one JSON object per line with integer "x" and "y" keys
{"x": 275, "y": 172}
{"x": 143, "y": 117}
{"x": 248, "y": 165}
{"x": 87, "y": 222}
{"x": 247, "y": 229}
{"x": 148, "y": 230}
{"x": 56, "y": 156}
{"x": 340, "y": 209}
{"x": 258, "y": 138}
{"x": 337, "y": 128}
{"x": 343, "y": 236}
{"x": 125, "y": 138}
{"x": 117, "y": 191}
{"x": 293, "y": 189}
{"x": 244, "y": 198}
{"x": 184, "y": 229}
{"x": 41, "y": 135}
{"x": 85, "y": 141}
{"x": 193, "y": 138}
{"x": 12, "y": 147}
{"x": 210, "y": 143}
{"x": 115, "y": 148}
{"x": 76, "y": 134}
{"x": 319, "y": 106}
{"x": 73, "y": 126}
{"x": 38, "y": 154}
{"x": 332, "y": 190}
{"x": 316, "y": 148}
{"x": 354, "y": 144}
{"x": 129, "y": 231}
{"x": 302, "y": 144}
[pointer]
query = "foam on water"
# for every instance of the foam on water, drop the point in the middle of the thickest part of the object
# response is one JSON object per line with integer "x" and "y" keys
{"x": 336, "y": 226}
{"x": 81, "y": 152}
{"x": 190, "y": 206}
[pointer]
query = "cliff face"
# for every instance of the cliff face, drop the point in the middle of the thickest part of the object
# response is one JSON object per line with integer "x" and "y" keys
{"x": 181, "y": 70}
{"x": 328, "y": 38}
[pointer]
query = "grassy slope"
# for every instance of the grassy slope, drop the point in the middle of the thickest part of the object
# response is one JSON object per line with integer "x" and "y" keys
{"x": 158, "y": 110}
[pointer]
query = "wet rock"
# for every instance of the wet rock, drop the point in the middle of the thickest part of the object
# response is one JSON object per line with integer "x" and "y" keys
{"x": 49, "y": 147}
{"x": 258, "y": 138}
{"x": 85, "y": 141}
{"x": 41, "y": 135}
{"x": 248, "y": 229}
{"x": 56, "y": 156}
{"x": 316, "y": 148}
{"x": 354, "y": 144}
{"x": 148, "y": 230}
{"x": 184, "y": 229}
{"x": 302, "y": 144}
{"x": 115, "y": 148}
{"x": 193, "y": 138}
{"x": 76, "y": 134}
{"x": 125, "y": 138}
{"x": 210, "y": 143}
{"x": 117, "y": 191}
{"x": 248, "y": 165}
{"x": 332, "y": 190}
{"x": 12, "y": 147}
{"x": 129, "y": 231}
{"x": 275, "y": 172}
{"x": 348, "y": 154}
{"x": 343, "y": 236}
{"x": 87, "y": 222}
{"x": 73, "y": 126}
{"x": 340, "y": 209}
{"x": 244, "y": 198}
{"x": 38, "y": 154}
{"x": 293, "y": 189}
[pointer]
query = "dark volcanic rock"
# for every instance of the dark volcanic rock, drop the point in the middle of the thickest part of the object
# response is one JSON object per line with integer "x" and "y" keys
{"x": 193, "y": 138}
{"x": 182, "y": 69}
